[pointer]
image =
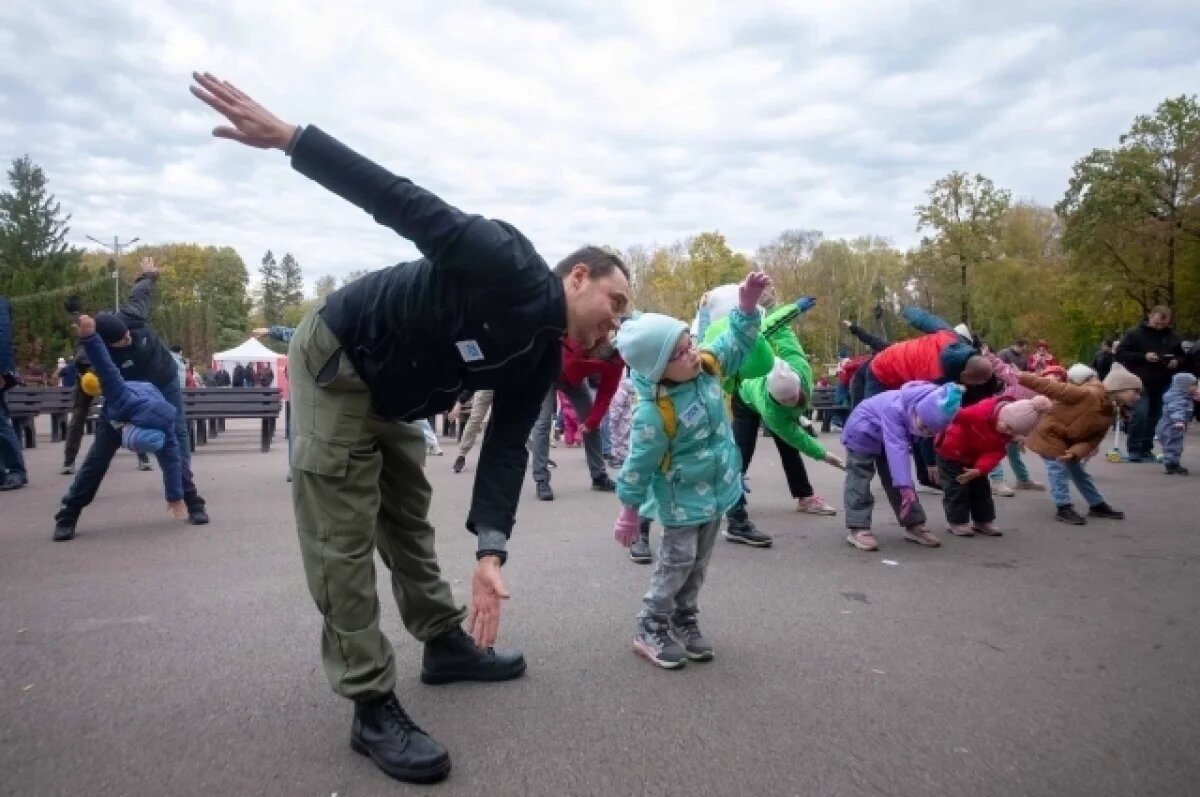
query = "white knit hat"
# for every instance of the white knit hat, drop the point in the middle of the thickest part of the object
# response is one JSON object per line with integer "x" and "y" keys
{"x": 783, "y": 383}
{"x": 964, "y": 331}
{"x": 1079, "y": 373}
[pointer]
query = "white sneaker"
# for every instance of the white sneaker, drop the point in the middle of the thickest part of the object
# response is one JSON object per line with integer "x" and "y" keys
{"x": 814, "y": 505}
{"x": 1003, "y": 490}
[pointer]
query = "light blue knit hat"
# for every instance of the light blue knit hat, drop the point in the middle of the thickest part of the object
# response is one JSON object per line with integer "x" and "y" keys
{"x": 141, "y": 440}
{"x": 646, "y": 342}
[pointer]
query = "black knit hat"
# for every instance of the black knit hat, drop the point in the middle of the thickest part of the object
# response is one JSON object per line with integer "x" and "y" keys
{"x": 110, "y": 328}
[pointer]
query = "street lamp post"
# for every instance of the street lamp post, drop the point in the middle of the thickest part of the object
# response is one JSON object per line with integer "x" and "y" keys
{"x": 115, "y": 246}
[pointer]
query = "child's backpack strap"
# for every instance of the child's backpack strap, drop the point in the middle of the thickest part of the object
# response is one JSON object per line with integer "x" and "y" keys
{"x": 667, "y": 410}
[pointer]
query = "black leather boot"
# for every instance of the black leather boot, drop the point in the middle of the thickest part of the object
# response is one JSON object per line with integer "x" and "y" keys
{"x": 197, "y": 509}
{"x": 64, "y": 524}
{"x": 454, "y": 656}
{"x": 384, "y": 732}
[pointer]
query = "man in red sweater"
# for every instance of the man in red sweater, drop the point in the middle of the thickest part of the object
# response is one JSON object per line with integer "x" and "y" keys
{"x": 578, "y": 366}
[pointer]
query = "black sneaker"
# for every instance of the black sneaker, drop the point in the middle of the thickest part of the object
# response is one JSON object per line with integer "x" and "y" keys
{"x": 197, "y": 509}
{"x": 1067, "y": 514}
{"x": 460, "y": 462}
{"x": 13, "y": 481}
{"x": 64, "y": 525}
{"x": 454, "y": 656}
{"x": 654, "y": 642}
{"x": 384, "y": 732}
{"x": 640, "y": 550}
{"x": 1105, "y": 511}
{"x": 687, "y": 631}
{"x": 544, "y": 493}
{"x": 1175, "y": 469}
{"x": 144, "y": 463}
{"x": 740, "y": 528}
{"x": 604, "y": 485}
{"x": 67, "y": 470}
{"x": 551, "y": 463}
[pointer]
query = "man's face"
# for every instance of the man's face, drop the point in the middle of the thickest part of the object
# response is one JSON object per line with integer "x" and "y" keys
{"x": 594, "y": 305}
{"x": 123, "y": 342}
{"x": 1160, "y": 321}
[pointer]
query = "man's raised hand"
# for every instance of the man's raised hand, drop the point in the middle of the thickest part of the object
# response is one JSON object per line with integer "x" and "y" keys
{"x": 149, "y": 266}
{"x": 251, "y": 124}
{"x": 86, "y": 325}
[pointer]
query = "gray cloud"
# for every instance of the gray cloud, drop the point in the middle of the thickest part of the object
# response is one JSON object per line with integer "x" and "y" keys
{"x": 623, "y": 123}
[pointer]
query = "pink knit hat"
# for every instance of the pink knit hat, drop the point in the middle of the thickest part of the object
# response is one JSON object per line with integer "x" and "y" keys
{"x": 1021, "y": 417}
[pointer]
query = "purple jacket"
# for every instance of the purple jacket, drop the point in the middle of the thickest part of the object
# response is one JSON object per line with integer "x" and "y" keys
{"x": 883, "y": 425}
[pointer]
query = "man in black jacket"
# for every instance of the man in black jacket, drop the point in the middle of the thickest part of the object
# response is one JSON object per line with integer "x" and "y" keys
{"x": 1154, "y": 353}
{"x": 481, "y": 310}
{"x": 141, "y": 356}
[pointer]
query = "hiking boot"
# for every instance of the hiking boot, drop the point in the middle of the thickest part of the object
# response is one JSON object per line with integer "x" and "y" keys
{"x": 64, "y": 524}
{"x": 383, "y": 731}
{"x": 197, "y": 509}
{"x": 460, "y": 462}
{"x": 603, "y": 484}
{"x": 863, "y": 540}
{"x": 454, "y": 656}
{"x": 922, "y": 536}
{"x": 740, "y": 528}
{"x": 640, "y": 550}
{"x": 1067, "y": 514}
{"x": 67, "y": 470}
{"x": 1003, "y": 490}
{"x": 1175, "y": 469}
{"x": 654, "y": 642}
{"x": 1105, "y": 511}
{"x": 687, "y": 631}
{"x": 814, "y": 505}
{"x": 544, "y": 493}
{"x": 13, "y": 481}
{"x": 1032, "y": 485}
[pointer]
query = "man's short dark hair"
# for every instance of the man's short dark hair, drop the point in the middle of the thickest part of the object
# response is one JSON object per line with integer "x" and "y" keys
{"x": 177, "y": 349}
{"x": 599, "y": 263}
{"x": 1020, "y": 342}
{"x": 1161, "y": 310}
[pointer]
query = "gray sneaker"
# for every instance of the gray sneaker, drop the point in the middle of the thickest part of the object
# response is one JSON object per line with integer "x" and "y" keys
{"x": 654, "y": 642}
{"x": 688, "y": 632}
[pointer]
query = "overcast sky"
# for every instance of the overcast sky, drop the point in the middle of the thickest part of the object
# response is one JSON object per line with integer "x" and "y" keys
{"x": 609, "y": 122}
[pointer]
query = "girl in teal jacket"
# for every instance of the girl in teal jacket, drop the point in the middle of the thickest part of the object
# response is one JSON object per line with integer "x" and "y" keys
{"x": 682, "y": 455}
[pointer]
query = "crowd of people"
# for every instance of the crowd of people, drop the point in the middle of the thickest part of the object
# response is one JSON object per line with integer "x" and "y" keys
{"x": 482, "y": 328}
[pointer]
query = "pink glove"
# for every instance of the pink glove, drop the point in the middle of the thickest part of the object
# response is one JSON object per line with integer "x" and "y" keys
{"x": 908, "y": 502}
{"x": 751, "y": 290}
{"x": 626, "y": 528}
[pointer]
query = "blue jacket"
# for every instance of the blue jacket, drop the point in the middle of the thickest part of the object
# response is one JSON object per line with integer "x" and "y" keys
{"x": 8, "y": 362}
{"x": 703, "y": 479}
{"x": 1178, "y": 404}
{"x": 142, "y": 405}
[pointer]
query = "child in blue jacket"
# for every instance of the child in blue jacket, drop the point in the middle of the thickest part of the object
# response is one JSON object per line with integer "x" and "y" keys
{"x": 1179, "y": 404}
{"x": 145, "y": 419}
{"x": 691, "y": 471}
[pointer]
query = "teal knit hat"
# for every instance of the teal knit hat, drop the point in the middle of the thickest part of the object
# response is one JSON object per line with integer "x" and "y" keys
{"x": 646, "y": 342}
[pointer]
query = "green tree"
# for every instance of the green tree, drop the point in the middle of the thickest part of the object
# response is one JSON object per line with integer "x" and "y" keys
{"x": 292, "y": 278}
{"x": 353, "y": 275}
{"x": 270, "y": 290}
{"x": 1132, "y": 214}
{"x": 964, "y": 213}
{"x": 34, "y": 253}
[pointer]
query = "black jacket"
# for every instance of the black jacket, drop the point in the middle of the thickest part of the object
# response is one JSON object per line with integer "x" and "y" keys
{"x": 481, "y": 310}
{"x": 1102, "y": 363}
{"x": 1140, "y": 341}
{"x": 147, "y": 359}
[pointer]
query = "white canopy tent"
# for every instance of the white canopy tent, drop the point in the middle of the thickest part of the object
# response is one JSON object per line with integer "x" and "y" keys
{"x": 252, "y": 351}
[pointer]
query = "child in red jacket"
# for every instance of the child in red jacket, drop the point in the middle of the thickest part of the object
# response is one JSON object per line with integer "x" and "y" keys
{"x": 970, "y": 448}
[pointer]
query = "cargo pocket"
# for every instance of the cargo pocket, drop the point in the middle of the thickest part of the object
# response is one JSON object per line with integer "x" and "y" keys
{"x": 323, "y": 457}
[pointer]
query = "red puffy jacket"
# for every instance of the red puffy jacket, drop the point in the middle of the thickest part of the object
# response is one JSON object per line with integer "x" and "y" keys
{"x": 914, "y": 360}
{"x": 578, "y": 366}
{"x": 972, "y": 439}
{"x": 848, "y": 369}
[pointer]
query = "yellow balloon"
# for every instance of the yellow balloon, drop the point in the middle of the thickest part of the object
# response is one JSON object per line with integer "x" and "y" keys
{"x": 90, "y": 384}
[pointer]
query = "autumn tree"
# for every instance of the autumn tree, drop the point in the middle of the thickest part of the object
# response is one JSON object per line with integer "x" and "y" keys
{"x": 324, "y": 286}
{"x": 964, "y": 215}
{"x": 1132, "y": 214}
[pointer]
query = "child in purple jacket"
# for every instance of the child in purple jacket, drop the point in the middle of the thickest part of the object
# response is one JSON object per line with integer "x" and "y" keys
{"x": 878, "y": 436}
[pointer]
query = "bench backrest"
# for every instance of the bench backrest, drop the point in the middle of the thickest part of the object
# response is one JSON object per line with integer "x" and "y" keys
{"x": 222, "y": 402}
{"x": 823, "y": 397}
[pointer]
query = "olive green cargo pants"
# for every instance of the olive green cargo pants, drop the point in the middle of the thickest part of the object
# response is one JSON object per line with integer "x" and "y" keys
{"x": 358, "y": 486}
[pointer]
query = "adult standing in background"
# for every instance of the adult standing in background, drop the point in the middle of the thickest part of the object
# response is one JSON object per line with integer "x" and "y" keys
{"x": 1154, "y": 353}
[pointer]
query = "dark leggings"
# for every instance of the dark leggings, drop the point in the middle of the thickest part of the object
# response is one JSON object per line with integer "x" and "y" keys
{"x": 746, "y": 424}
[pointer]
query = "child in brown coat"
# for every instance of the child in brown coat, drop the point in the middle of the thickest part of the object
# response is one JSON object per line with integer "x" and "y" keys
{"x": 1073, "y": 430}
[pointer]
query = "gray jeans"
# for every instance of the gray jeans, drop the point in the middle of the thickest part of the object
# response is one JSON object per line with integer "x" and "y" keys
{"x": 683, "y": 556}
{"x": 860, "y": 472}
{"x": 539, "y": 440}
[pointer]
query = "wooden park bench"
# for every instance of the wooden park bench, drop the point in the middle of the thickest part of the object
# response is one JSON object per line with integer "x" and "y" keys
{"x": 207, "y": 408}
{"x": 823, "y": 405}
{"x": 24, "y": 405}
